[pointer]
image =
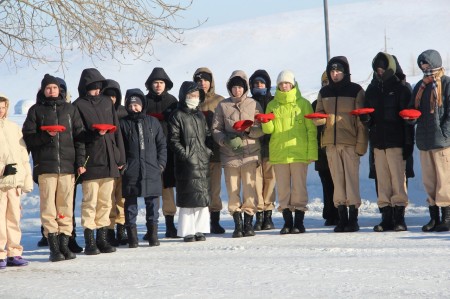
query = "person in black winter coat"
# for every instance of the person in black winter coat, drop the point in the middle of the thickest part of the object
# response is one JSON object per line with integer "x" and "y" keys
{"x": 56, "y": 154}
{"x": 117, "y": 215}
{"x": 392, "y": 139}
{"x": 160, "y": 104}
{"x": 188, "y": 139}
{"x": 105, "y": 155}
{"x": 260, "y": 84}
{"x": 145, "y": 146}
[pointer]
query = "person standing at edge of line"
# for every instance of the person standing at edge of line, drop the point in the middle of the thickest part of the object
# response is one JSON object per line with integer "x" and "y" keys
{"x": 160, "y": 104}
{"x": 15, "y": 179}
{"x": 205, "y": 80}
{"x": 105, "y": 156}
{"x": 260, "y": 85}
{"x": 60, "y": 156}
{"x": 330, "y": 212}
{"x": 117, "y": 214}
{"x": 431, "y": 96}
{"x": 392, "y": 140}
{"x": 345, "y": 139}
{"x": 239, "y": 151}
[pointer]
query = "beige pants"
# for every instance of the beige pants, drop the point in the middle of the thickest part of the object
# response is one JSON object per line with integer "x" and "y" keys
{"x": 117, "y": 214}
{"x": 215, "y": 172}
{"x": 436, "y": 176}
{"x": 344, "y": 168}
{"x": 168, "y": 202}
{"x": 291, "y": 186}
{"x": 96, "y": 204}
{"x": 234, "y": 176}
{"x": 10, "y": 233}
{"x": 390, "y": 169}
{"x": 265, "y": 186}
{"x": 56, "y": 192}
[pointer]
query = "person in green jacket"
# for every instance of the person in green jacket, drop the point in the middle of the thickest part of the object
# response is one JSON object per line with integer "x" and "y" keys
{"x": 293, "y": 145}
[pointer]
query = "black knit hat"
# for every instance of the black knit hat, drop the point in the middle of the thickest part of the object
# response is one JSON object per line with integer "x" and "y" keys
{"x": 135, "y": 100}
{"x": 337, "y": 67}
{"x": 203, "y": 75}
{"x": 48, "y": 79}
{"x": 94, "y": 86}
{"x": 380, "y": 62}
{"x": 236, "y": 81}
{"x": 110, "y": 92}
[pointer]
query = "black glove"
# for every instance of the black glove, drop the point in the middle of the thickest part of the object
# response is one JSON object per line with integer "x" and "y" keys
{"x": 407, "y": 151}
{"x": 10, "y": 169}
{"x": 364, "y": 117}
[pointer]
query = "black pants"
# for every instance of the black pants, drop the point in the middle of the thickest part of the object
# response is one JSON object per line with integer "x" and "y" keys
{"x": 329, "y": 210}
{"x": 151, "y": 210}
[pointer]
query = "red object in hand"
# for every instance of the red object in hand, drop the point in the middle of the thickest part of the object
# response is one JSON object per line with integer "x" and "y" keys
{"x": 264, "y": 118}
{"x": 242, "y": 125}
{"x": 316, "y": 115}
{"x": 54, "y": 128}
{"x": 410, "y": 114}
{"x": 362, "y": 111}
{"x": 159, "y": 116}
{"x": 206, "y": 113}
{"x": 108, "y": 127}
{"x": 61, "y": 216}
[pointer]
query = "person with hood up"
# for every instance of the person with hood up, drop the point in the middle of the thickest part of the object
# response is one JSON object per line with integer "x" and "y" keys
{"x": 160, "y": 104}
{"x": 205, "y": 80}
{"x": 104, "y": 157}
{"x": 260, "y": 85}
{"x": 392, "y": 140}
{"x": 15, "y": 179}
{"x": 345, "y": 139}
{"x": 293, "y": 145}
{"x": 431, "y": 96}
{"x": 60, "y": 155}
{"x": 188, "y": 137}
{"x": 145, "y": 146}
{"x": 117, "y": 214}
{"x": 239, "y": 150}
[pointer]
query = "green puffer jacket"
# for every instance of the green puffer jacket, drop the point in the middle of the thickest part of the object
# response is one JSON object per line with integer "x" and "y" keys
{"x": 294, "y": 137}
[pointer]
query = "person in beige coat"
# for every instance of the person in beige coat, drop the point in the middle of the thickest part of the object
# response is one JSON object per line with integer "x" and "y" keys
{"x": 15, "y": 179}
{"x": 239, "y": 150}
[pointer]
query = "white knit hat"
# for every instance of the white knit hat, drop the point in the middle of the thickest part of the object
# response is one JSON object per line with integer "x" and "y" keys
{"x": 286, "y": 76}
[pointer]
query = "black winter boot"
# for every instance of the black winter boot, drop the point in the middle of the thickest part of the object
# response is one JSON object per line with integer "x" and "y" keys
{"x": 73, "y": 245}
{"x": 288, "y": 222}
{"x": 153, "y": 234}
{"x": 298, "y": 222}
{"x": 55, "y": 253}
{"x": 64, "y": 247}
{"x": 43, "y": 242}
{"x": 215, "y": 225}
{"x": 444, "y": 226}
{"x": 434, "y": 221}
{"x": 145, "y": 237}
{"x": 387, "y": 220}
{"x": 111, "y": 236}
{"x": 352, "y": 225}
{"x": 237, "y": 217}
{"x": 343, "y": 219}
{"x": 248, "y": 225}
{"x": 399, "y": 219}
{"x": 133, "y": 241}
{"x": 171, "y": 231}
{"x": 121, "y": 235}
{"x": 267, "y": 222}
{"x": 259, "y": 221}
{"x": 102, "y": 242}
{"x": 90, "y": 245}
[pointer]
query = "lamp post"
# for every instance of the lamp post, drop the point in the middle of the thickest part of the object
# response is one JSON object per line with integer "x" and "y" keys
{"x": 327, "y": 37}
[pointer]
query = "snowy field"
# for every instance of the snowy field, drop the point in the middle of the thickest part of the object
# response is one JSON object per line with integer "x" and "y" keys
{"x": 317, "y": 264}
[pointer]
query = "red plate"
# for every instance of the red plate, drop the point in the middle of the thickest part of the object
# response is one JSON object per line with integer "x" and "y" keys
{"x": 316, "y": 115}
{"x": 54, "y": 128}
{"x": 261, "y": 117}
{"x": 242, "y": 125}
{"x": 410, "y": 114}
{"x": 108, "y": 127}
{"x": 362, "y": 111}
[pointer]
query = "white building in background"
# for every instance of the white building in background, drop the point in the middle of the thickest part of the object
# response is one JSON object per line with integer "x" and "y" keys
{"x": 22, "y": 106}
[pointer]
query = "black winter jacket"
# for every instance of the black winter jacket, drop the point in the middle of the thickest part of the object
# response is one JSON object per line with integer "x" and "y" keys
{"x": 114, "y": 85}
{"x": 188, "y": 139}
{"x": 60, "y": 154}
{"x": 145, "y": 147}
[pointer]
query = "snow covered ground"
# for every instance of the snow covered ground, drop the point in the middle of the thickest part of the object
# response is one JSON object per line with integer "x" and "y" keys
{"x": 319, "y": 263}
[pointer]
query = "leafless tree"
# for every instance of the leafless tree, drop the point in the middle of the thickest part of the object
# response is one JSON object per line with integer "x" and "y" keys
{"x": 35, "y": 32}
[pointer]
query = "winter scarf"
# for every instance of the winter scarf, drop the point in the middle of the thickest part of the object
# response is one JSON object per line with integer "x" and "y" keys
{"x": 431, "y": 76}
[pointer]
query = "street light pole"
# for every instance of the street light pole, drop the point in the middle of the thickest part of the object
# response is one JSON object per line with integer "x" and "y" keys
{"x": 327, "y": 35}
